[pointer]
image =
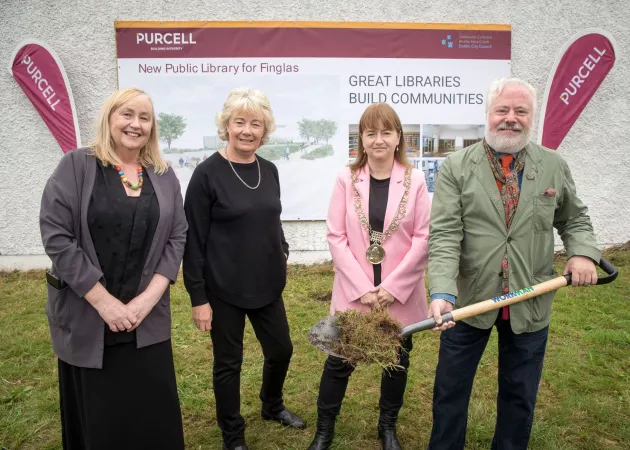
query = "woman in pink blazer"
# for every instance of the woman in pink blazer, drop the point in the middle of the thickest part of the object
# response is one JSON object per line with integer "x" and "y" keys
{"x": 378, "y": 229}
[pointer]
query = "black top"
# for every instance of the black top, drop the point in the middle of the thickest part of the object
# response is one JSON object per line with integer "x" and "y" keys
{"x": 235, "y": 247}
{"x": 122, "y": 230}
{"x": 379, "y": 191}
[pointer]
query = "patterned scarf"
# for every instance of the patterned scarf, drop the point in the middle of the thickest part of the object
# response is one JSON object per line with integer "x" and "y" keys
{"x": 510, "y": 193}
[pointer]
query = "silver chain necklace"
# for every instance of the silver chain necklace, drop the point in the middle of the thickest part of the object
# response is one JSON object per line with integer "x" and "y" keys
{"x": 238, "y": 176}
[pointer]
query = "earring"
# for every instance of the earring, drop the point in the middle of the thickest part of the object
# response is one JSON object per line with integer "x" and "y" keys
{"x": 396, "y": 149}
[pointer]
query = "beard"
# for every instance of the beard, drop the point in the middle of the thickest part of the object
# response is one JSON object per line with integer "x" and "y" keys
{"x": 508, "y": 144}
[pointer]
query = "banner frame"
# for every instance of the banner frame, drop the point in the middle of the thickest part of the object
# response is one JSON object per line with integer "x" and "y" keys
{"x": 309, "y": 24}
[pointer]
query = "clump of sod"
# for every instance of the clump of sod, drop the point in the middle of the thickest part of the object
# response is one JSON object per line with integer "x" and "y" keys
{"x": 368, "y": 337}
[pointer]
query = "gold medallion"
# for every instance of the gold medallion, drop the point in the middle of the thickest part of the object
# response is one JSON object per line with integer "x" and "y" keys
{"x": 375, "y": 254}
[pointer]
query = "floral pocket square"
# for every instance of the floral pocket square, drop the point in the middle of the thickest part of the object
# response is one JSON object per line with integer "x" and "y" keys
{"x": 549, "y": 192}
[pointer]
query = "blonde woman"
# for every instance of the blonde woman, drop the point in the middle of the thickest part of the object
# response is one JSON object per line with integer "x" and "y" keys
{"x": 113, "y": 224}
{"x": 235, "y": 261}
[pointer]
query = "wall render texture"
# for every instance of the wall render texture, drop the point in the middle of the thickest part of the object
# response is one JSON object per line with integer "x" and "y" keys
{"x": 82, "y": 34}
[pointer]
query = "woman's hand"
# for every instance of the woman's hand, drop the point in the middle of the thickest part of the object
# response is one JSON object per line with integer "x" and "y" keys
{"x": 202, "y": 317}
{"x": 140, "y": 307}
{"x": 116, "y": 314}
{"x": 370, "y": 299}
{"x": 144, "y": 303}
{"x": 384, "y": 298}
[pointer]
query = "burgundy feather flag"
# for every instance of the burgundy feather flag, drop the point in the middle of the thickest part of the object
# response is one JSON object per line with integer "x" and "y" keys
{"x": 40, "y": 74}
{"x": 580, "y": 69}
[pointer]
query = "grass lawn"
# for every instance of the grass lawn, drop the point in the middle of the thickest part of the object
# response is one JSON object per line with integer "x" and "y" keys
{"x": 583, "y": 402}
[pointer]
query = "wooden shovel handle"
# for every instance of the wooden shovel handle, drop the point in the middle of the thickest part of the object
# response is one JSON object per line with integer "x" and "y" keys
{"x": 488, "y": 305}
{"x": 507, "y": 299}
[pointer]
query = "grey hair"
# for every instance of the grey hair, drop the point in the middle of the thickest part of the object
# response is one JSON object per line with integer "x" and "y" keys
{"x": 497, "y": 86}
{"x": 246, "y": 100}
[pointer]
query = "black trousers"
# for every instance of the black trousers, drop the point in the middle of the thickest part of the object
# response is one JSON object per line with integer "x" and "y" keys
{"x": 520, "y": 368}
{"x": 334, "y": 382}
{"x": 272, "y": 330}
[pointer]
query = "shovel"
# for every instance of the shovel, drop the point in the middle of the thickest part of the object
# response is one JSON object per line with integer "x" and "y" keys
{"x": 325, "y": 333}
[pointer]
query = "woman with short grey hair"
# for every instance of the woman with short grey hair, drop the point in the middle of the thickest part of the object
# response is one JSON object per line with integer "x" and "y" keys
{"x": 235, "y": 261}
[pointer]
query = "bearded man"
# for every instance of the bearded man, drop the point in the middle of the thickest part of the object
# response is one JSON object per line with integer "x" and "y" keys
{"x": 495, "y": 206}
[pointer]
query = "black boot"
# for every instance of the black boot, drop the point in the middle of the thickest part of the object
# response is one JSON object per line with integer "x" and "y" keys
{"x": 387, "y": 431}
{"x": 240, "y": 447}
{"x": 324, "y": 433}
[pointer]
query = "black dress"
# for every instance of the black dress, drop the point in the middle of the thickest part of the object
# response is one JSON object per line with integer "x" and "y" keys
{"x": 132, "y": 402}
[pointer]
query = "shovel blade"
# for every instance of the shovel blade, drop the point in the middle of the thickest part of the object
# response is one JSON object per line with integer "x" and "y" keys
{"x": 325, "y": 334}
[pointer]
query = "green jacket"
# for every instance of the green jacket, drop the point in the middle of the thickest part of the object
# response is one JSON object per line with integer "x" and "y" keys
{"x": 468, "y": 237}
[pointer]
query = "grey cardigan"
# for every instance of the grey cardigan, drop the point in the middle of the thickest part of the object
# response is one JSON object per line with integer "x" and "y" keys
{"x": 76, "y": 328}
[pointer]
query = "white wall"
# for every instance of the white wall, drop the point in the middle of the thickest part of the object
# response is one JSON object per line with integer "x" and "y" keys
{"x": 82, "y": 34}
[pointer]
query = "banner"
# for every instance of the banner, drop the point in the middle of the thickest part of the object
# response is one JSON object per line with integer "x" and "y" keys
{"x": 40, "y": 74}
{"x": 580, "y": 68}
{"x": 319, "y": 78}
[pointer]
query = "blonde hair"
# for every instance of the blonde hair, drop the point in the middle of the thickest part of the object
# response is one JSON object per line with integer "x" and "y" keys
{"x": 103, "y": 145}
{"x": 248, "y": 101}
{"x": 384, "y": 115}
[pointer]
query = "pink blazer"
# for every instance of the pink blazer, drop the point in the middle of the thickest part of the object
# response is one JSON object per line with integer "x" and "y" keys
{"x": 402, "y": 271}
